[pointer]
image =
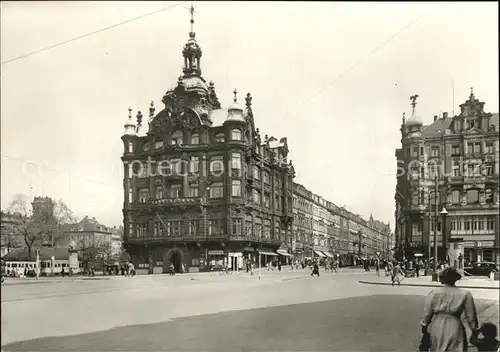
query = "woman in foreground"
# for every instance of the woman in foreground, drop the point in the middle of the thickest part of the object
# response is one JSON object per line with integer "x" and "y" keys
{"x": 443, "y": 308}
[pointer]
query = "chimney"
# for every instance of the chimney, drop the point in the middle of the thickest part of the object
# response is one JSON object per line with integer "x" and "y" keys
{"x": 445, "y": 115}
{"x": 435, "y": 118}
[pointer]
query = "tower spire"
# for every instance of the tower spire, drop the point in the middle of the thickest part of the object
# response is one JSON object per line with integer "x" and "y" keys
{"x": 192, "y": 51}
{"x": 191, "y": 12}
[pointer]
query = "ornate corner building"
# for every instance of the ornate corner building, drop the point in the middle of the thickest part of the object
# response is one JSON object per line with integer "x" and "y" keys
{"x": 201, "y": 184}
{"x": 450, "y": 164}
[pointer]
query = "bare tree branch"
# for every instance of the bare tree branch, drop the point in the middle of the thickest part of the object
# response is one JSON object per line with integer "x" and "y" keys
{"x": 44, "y": 226}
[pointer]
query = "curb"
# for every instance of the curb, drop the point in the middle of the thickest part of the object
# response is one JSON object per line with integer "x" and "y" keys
{"x": 33, "y": 282}
{"x": 425, "y": 285}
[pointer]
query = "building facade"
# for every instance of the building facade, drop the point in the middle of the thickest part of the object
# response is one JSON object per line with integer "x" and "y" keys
{"x": 202, "y": 188}
{"x": 451, "y": 163}
{"x": 10, "y": 238}
{"x": 322, "y": 229}
{"x": 85, "y": 234}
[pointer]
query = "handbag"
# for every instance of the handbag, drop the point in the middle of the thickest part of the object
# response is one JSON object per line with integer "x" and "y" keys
{"x": 425, "y": 342}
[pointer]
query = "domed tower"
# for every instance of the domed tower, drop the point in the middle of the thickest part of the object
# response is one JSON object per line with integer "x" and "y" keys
{"x": 129, "y": 134}
{"x": 192, "y": 52}
{"x": 413, "y": 145}
{"x": 235, "y": 110}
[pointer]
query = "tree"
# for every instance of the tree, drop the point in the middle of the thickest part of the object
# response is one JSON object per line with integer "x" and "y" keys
{"x": 95, "y": 253}
{"x": 9, "y": 238}
{"x": 29, "y": 229}
{"x": 124, "y": 257}
{"x": 42, "y": 226}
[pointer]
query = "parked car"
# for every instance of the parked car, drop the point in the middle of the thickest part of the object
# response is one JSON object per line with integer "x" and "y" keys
{"x": 481, "y": 269}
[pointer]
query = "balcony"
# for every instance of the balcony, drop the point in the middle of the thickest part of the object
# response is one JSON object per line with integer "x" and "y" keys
{"x": 162, "y": 238}
{"x": 171, "y": 202}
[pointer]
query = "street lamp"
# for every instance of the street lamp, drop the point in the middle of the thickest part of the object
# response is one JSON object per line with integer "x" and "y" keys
{"x": 205, "y": 225}
{"x": 444, "y": 239}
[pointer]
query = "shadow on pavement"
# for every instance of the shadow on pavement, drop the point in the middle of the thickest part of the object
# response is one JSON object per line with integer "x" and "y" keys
{"x": 371, "y": 323}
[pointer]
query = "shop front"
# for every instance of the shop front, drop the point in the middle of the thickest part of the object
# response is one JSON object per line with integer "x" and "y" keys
{"x": 285, "y": 258}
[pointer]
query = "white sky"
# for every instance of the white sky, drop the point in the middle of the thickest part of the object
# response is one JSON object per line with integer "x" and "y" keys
{"x": 64, "y": 108}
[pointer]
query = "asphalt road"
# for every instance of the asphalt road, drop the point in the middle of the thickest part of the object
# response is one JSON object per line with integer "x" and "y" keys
{"x": 285, "y": 312}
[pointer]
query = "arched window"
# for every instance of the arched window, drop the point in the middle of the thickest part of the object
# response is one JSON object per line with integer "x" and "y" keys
{"x": 472, "y": 196}
{"x": 236, "y": 135}
{"x": 177, "y": 138}
{"x": 195, "y": 138}
{"x": 143, "y": 195}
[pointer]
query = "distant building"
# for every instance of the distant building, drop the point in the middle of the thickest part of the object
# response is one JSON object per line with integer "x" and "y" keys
{"x": 86, "y": 233}
{"x": 322, "y": 229}
{"x": 10, "y": 239}
{"x": 458, "y": 155}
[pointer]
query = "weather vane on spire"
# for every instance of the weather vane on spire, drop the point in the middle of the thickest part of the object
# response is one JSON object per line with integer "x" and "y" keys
{"x": 471, "y": 91}
{"x": 413, "y": 100}
{"x": 235, "y": 98}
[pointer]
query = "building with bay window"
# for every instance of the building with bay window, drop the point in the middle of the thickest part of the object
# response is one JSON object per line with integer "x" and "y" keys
{"x": 202, "y": 187}
{"x": 459, "y": 157}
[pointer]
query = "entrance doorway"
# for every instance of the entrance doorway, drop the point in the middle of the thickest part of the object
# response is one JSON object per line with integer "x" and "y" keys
{"x": 176, "y": 260}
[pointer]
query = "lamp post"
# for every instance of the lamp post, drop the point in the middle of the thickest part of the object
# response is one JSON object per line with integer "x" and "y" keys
{"x": 444, "y": 239}
{"x": 434, "y": 271}
{"x": 205, "y": 225}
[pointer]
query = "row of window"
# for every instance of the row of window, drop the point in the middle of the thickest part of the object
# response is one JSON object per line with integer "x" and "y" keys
{"x": 459, "y": 169}
{"x": 177, "y": 138}
{"x": 469, "y": 148}
{"x": 214, "y": 227}
{"x": 178, "y": 166}
{"x": 174, "y": 191}
{"x": 465, "y": 223}
{"x": 471, "y": 196}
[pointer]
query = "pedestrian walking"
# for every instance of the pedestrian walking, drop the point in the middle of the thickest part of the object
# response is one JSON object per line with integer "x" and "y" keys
{"x": 315, "y": 270}
{"x": 377, "y": 267}
{"x": 397, "y": 274}
{"x": 417, "y": 268}
{"x": 441, "y": 323}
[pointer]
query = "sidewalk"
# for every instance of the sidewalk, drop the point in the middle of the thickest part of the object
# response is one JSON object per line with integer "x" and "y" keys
{"x": 286, "y": 272}
{"x": 425, "y": 281}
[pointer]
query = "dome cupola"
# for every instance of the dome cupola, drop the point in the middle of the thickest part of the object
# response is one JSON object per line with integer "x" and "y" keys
{"x": 235, "y": 110}
{"x": 414, "y": 121}
{"x": 130, "y": 128}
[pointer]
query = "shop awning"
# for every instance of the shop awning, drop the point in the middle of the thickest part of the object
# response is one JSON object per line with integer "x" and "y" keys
{"x": 268, "y": 253}
{"x": 328, "y": 254}
{"x": 319, "y": 253}
{"x": 283, "y": 253}
{"x": 215, "y": 252}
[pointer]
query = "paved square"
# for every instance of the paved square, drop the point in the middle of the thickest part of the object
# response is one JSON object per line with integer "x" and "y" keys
{"x": 281, "y": 312}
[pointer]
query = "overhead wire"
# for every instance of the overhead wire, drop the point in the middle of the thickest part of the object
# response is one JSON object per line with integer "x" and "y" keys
{"x": 91, "y": 33}
{"x": 343, "y": 74}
